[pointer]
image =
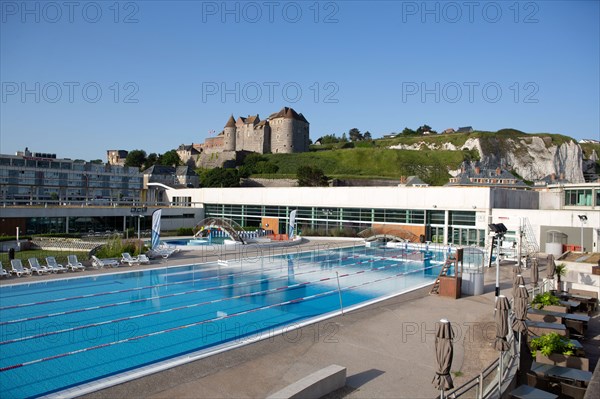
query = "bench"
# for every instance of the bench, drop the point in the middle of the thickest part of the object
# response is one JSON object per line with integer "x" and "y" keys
{"x": 316, "y": 385}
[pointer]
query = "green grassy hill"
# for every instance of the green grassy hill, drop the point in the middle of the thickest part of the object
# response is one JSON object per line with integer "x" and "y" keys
{"x": 373, "y": 159}
{"x": 431, "y": 166}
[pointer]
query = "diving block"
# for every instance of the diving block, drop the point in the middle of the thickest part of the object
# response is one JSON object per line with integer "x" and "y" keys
{"x": 316, "y": 385}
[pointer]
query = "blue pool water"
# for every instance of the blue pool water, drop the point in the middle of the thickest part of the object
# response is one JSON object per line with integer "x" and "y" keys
{"x": 63, "y": 333}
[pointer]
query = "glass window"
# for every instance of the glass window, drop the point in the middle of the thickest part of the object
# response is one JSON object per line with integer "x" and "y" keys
{"x": 578, "y": 197}
{"x": 416, "y": 217}
{"x": 436, "y": 217}
{"x": 463, "y": 218}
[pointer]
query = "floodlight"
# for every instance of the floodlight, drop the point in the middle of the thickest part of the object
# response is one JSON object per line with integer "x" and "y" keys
{"x": 583, "y": 218}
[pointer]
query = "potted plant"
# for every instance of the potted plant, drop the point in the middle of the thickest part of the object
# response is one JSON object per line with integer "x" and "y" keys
{"x": 561, "y": 271}
{"x": 546, "y": 299}
{"x": 557, "y": 350}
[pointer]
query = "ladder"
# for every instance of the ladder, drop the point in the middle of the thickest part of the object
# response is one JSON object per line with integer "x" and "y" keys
{"x": 435, "y": 290}
{"x": 531, "y": 243}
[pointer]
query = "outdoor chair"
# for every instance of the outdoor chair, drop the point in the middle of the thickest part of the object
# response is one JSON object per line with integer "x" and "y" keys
{"x": 126, "y": 258}
{"x": 35, "y": 266}
{"x": 100, "y": 263}
{"x": 18, "y": 269}
{"x": 572, "y": 391}
{"x": 74, "y": 264}
{"x": 54, "y": 266}
{"x": 3, "y": 273}
{"x": 537, "y": 382}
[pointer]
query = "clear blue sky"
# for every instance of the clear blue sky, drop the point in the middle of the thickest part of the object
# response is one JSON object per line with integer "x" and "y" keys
{"x": 171, "y": 72}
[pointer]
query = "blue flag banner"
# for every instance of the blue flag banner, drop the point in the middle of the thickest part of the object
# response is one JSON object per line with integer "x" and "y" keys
{"x": 156, "y": 227}
{"x": 292, "y": 227}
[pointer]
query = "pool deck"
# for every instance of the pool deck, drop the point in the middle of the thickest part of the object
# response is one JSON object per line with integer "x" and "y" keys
{"x": 388, "y": 349}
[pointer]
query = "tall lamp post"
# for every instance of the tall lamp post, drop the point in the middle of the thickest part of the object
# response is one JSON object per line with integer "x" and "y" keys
{"x": 139, "y": 212}
{"x": 583, "y": 219}
{"x": 499, "y": 229}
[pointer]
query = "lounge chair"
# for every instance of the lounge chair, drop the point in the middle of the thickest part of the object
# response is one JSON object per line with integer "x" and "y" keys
{"x": 159, "y": 253}
{"x": 100, "y": 263}
{"x": 18, "y": 269}
{"x": 3, "y": 273}
{"x": 54, "y": 266}
{"x": 126, "y": 258}
{"x": 143, "y": 259}
{"x": 35, "y": 266}
{"x": 74, "y": 264}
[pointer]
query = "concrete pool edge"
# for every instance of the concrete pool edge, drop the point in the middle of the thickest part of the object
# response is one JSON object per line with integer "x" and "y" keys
{"x": 144, "y": 371}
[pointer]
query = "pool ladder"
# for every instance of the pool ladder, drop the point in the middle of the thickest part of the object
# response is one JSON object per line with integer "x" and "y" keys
{"x": 435, "y": 290}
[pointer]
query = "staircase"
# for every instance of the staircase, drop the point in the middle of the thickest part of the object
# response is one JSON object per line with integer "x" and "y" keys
{"x": 529, "y": 245}
{"x": 435, "y": 290}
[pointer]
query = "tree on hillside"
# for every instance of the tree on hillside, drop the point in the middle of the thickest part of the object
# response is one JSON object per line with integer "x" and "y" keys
{"x": 151, "y": 160}
{"x": 311, "y": 176}
{"x": 220, "y": 177}
{"x": 344, "y": 138}
{"x": 97, "y": 161}
{"x": 257, "y": 164}
{"x": 355, "y": 135}
{"x": 135, "y": 158}
{"x": 329, "y": 139}
{"x": 367, "y": 135}
{"x": 408, "y": 132}
{"x": 423, "y": 129}
{"x": 169, "y": 158}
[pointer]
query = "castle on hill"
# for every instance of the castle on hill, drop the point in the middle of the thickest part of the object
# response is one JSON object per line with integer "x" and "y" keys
{"x": 284, "y": 132}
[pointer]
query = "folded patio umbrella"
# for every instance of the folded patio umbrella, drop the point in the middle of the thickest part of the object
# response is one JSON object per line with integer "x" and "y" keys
{"x": 521, "y": 302}
{"x": 519, "y": 280}
{"x": 501, "y": 344}
{"x": 551, "y": 267}
{"x": 534, "y": 272}
{"x": 443, "y": 354}
{"x": 501, "y": 319}
{"x": 516, "y": 271}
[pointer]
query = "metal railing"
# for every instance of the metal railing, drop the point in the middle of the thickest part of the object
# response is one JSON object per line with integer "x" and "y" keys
{"x": 485, "y": 385}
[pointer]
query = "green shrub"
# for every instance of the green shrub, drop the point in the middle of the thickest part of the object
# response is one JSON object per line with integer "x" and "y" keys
{"x": 116, "y": 246}
{"x": 551, "y": 343}
{"x": 545, "y": 299}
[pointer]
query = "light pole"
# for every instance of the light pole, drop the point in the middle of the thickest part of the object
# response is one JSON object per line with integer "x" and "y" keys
{"x": 139, "y": 222}
{"x": 583, "y": 219}
{"x": 499, "y": 229}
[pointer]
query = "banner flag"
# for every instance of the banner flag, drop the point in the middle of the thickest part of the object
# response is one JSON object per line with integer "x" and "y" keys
{"x": 156, "y": 228}
{"x": 292, "y": 224}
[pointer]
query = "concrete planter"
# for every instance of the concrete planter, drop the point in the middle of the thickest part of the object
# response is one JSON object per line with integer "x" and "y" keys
{"x": 575, "y": 362}
{"x": 555, "y": 308}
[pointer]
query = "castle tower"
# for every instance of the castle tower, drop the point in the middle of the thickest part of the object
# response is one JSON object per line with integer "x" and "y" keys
{"x": 229, "y": 133}
{"x": 289, "y": 132}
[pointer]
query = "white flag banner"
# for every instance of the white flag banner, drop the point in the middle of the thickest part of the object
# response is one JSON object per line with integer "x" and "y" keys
{"x": 292, "y": 227}
{"x": 156, "y": 227}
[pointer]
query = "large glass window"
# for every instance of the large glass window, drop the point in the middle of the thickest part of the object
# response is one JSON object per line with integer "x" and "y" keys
{"x": 436, "y": 217}
{"x": 463, "y": 218}
{"x": 578, "y": 197}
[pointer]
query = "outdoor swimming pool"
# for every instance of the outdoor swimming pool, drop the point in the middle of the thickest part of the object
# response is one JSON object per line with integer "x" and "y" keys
{"x": 65, "y": 333}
